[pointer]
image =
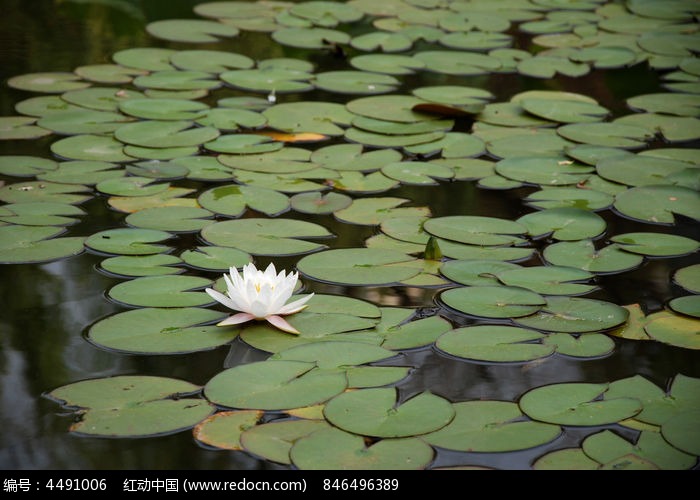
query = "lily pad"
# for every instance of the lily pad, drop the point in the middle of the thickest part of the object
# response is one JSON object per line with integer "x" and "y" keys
{"x": 490, "y": 427}
{"x": 145, "y": 58}
{"x": 452, "y": 145}
{"x": 47, "y": 82}
{"x": 656, "y": 244}
{"x": 90, "y": 147}
{"x": 561, "y": 197}
{"x": 682, "y": 432}
{"x": 494, "y": 343}
{"x": 233, "y": 200}
{"x": 463, "y": 63}
{"x": 475, "y": 230}
{"x": 546, "y": 171}
{"x": 564, "y": 224}
{"x": 590, "y": 345}
{"x": 565, "y": 111}
{"x": 165, "y": 134}
{"x": 417, "y": 172}
{"x": 584, "y": 255}
{"x": 142, "y": 265}
{"x": 132, "y": 186}
{"x": 616, "y": 135}
{"x": 355, "y": 82}
{"x": 335, "y": 449}
{"x": 21, "y": 127}
{"x": 351, "y": 157}
{"x": 82, "y": 172}
{"x": 374, "y": 211}
{"x": 675, "y": 330}
{"x": 107, "y": 73}
{"x": 377, "y": 412}
{"x": 688, "y": 277}
{"x": 174, "y": 219}
{"x": 493, "y": 301}
{"x": 33, "y": 244}
{"x": 163, "y": 109}
{"x": 40, "y": 214}
{"x": 396, "y": 108}
{"x": 658, "y": 204}
{"x": 133, "y": 406}
{"x": 317, "y": 203}
{"x": 213, "y": 258}
{"x": 25, "y": 166}
{"x": 190, "y": 30}
{"x": 265, "y": 236}
{"x": 272, "y": 79}
{"x": 325, "y": 118}
{"x": 358, "y": 266}
{"x": 162, "y": 291}
{"x": 577, "y": 404}
{"x": 549, "y": 280}
{"x": 310, "y": 38}
{"x": 224, "y": 429}
{"x": 413, "y": 334}
{"x": 380, "y": 40}
{"x": 330, "y": 355}
{"x": 273, "y": 440}
{"x": 42, "y": 191}
{"x": 476, "y": 272}
{"x": 153, "y": 330}
{"x": 278, "y": 385}
{"x": 575, "y": 315}
{"x": 128, "y": 241}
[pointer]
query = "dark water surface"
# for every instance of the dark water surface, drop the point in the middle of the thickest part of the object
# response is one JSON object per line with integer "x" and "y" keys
{"x": 46, "y": 308}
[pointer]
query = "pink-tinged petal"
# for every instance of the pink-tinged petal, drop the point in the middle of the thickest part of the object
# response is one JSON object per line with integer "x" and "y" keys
{"x": 282, "y": 324}
{"x": 236, "y": 319}
{"x": 295, "y": 306}
{"x": 220, "y": 297}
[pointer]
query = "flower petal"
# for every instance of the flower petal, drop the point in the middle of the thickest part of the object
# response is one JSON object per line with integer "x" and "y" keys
{"x": 220, "y": 297}
{"x": 295, "y": 306}
{"x": 236, "y": 319}
{"x": 282, "y": 324}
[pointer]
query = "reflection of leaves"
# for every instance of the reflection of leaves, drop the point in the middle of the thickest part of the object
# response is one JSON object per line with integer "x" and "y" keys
{"x": 124, "y": 6}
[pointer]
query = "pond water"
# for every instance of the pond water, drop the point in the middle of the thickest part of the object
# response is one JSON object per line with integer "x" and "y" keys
{"x": 49, "y": 307}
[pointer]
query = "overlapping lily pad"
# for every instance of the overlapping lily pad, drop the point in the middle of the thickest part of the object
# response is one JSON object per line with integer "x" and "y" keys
{"x": 133, "y": 406}
{"x": 575, "y": 315}
{"x": 224, "y": 429}
{"x": 31, "y": 244}
{"x": 273, "y": 440}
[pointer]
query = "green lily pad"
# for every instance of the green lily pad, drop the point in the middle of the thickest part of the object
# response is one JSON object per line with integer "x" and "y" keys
{"x": 90, "y": 147}
{"x": 174, "y": 219}
{"x": 546, "y": 171}
{"x": 548, "y": 280}
{"x": 33, "y": 244}
{"x": 142, "y": 265}
{"x": 672, "y": 128}
{"x": 575, "y": 315}
{"x": 317, "y": 117}
{"x": 452, "y": 145}
{"x": 44, "y": 105}
{"x": 688, "y": 277}
{"x": 82, "y": 172}
{"x": 291, "y": 183}
{"x": 157, "y": 169}
{"x": 606, "y": 446}
{"x": 461, "y": 63}
{"x": 358, "y": 266}
{"x": 204, "y": 168}
{"x": 476, "y": 272}
{"x": 132, "y": 406}
{"x": 361, "y": 377}
{"x": 278, "y": 385}
{"x": 616, "y": 135}
{"x": 41, "y": 191}
{"x": 417, "y": 172}
{"x": 273, "y": 440}
{"x": 564, "y": 224}
{"x": 40, "y": 214}
{"x": 145, "y": 58}
{"x": 177, "y": 80}
{"x": 317, "y": 203}
{"x": 213, "y": 258}
{"x": 562, "y": 197}
{"x": 658, "y": 204}
{"x": 169, "y": 197}
{"x": 21, "y": 127}
{"x": 84, "y": 121}
{"x": 330, "y": 355}
{"x": 414, "y": 334}
{"x": 110, "y": 74}
{"x": 656, "y": 244}
{"x": 545, "y": 146}
{"x": 544, "y": 66}
{"x": 395, "y": 108}
{"x": 590, "y": 345}
{"x": 577, "y": 404}
{"x": 470, "y": 99}
{"x": 373, "y": 139}
{"x": 153, "y": 330}
{"x": 164, "y": 109}
{"x": 584, "y": 255}
{"x": 162, "y": 291}
{"x": 25, "y": 166}
{"x": 565, "y": 459}
{"x": 606, "y": 57}
{"x": 476, "y": 41}
{"x": 47, "y": 82}
{"x": 351, "y": 157}
{"x": 494, "y": 343}
{"x": 165, "y": 134}
{"x": 491, "y": 426}
{"x": 355, "y": 82}
{"x": 310, "y": 38}
{"x": 565, "y": 111}
{"x": 384, "y": 41}
{"x": 324, "y": 13}
{"x": 338, "y": 450}
{"x": 509, "y": 114}
{"x": 128, "y": 241}
{"x": 475, "y": 230}
{"x": 266, "y": 237}
{"x": 210, "y": 61}
{"x": 377, "y": 412}
{"x": 675, "y": 330}
{"x": 233, "y": 199}
{"x": 688, "y": 305}
{"x": 226, "y": 119}
{"x": 244, "y": 144}
{"x": 668, "y": 103}
{"x": 190, "y": 30}
{"x": 224, "y": 429}
{"x": 132, "y": 186}
{"x": 373, "y": 211}
{"x": 278, "y": 80}
{"x": 639, "y": 170}
{"x": 390, "y": 64}
{"x": 682, "y": 432}
{"x": 493, "y": 301}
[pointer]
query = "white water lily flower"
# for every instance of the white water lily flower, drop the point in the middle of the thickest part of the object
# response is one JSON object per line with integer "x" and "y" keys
{"x": 260, "y": 295}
